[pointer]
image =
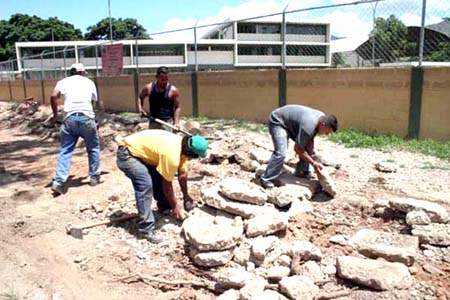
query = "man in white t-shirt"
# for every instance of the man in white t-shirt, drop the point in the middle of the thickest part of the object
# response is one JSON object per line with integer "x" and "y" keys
{"x": 78, "y": 93}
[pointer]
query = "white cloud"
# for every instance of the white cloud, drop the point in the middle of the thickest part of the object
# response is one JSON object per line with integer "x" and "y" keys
{"x": 410, "y": 19}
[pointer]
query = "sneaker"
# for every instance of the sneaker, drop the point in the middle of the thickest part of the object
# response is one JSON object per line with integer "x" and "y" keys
{"x": 58, "y": 188}
{"x": 94, "y": 180}
{"x": 266, "y": 184}
{"x": 152, "y": 236}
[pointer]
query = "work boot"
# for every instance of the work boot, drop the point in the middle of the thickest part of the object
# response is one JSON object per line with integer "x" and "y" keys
{"x": 58, "y": 188}
{"x": 94, "y": 180}
{"x": 152, "y": 236}
{"x": 303, "y": 174}
{"x": 266, "y": 184}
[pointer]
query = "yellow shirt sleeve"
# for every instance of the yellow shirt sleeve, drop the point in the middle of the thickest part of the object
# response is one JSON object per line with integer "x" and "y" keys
{"x": 183, "y": 167}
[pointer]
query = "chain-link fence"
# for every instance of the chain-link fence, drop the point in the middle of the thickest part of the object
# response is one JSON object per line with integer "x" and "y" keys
{"x": 370, "y": 33}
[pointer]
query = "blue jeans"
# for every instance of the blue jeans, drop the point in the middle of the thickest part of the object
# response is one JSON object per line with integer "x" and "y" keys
{"x": 147, "y": 182}
{"x": 73, "y": 127}
{"x": 276, "y": 161}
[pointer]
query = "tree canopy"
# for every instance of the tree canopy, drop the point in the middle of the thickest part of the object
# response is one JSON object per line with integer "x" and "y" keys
{"x": 25, "y": 28}
{"x": 122, "y": 29}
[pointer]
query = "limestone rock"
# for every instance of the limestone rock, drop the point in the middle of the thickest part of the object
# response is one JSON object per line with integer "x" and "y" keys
{"x": 261, "y": 245}
{"x": 276, "y": 273}
{"x": 433, "y": 234}
{"x": 285, "y": 195}
{"x": 327, "y": 183}
{"x": 260, "y": 155}
{"x": 375, "y": 274}
{"x": 305, "y": 250}
{"x": 243, "y": 191}
{"x": 436, "y": 212}
{"x": 390, "y": 246}
{"x": 230, "y": 295}
{"x": 417, "y": 217}
{"x": 232, "y": 278}
{"x": 212, "y": 258}
{"x": 299, "y": 207}
{"x": 386, "y": 167}
{"x": 312, "y": 270}
{"x": 202, "y": 232}
{"x": 266, "y": 224}
{"x": 243, "y": 252}
{"x": 287, "y": 178}
{"x": 298, "y": 287}
{"x": 212, "y": 198}
{"x": 254, "y": 287}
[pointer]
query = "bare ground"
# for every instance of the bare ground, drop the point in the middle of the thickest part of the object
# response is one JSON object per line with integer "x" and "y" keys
{"x": 40, "y": 261}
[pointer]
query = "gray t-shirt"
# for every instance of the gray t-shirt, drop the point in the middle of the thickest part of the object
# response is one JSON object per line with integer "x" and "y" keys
{"x": 299, "y": 121}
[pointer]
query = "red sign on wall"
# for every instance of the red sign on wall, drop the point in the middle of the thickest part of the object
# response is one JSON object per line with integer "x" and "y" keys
{"x": 112, "y": 60}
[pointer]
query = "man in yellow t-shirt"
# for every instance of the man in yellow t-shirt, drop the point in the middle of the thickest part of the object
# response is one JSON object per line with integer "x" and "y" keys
{"x": 151, "y": 158}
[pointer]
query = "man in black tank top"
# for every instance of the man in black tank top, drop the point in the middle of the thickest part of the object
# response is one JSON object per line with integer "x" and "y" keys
{"x": 164, "y": 100}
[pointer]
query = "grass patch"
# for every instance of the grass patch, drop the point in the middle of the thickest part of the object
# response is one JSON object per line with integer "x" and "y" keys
{"x": 358, "y": 139}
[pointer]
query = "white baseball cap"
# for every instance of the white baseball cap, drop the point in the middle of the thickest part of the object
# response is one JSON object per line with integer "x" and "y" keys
{"x": 78, "y": 67}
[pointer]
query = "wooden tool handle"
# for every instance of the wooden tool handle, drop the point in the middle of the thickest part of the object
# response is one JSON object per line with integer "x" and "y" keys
{"x": 106, "y": 222}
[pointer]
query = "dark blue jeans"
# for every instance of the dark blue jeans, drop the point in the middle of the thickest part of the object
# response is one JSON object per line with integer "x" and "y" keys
{"x": 280, "y": 143}
{"x": 147, "y": 183}
{"x": 74, "y": 127}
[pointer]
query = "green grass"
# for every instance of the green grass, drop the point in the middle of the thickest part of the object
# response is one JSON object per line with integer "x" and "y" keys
{"x": 358, "y": 139}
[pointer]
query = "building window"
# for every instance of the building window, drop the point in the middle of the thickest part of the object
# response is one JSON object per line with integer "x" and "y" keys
{"x": 259, "y": 50}
{"x": 300, "y": 50}
{"x": 268, "y": 28}
{"x": 306, "y": 29}
{"x": 161, "y": 50}
{"x": 246, "y": 28}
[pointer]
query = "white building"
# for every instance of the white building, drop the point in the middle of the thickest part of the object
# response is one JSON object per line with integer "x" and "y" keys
{"x": 246, "y": 44}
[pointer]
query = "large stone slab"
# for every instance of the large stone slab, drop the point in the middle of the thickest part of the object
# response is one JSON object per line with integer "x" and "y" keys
{"x": 260, "y": 155}
{"x": 327, "y": 183}
{"x": 232, "y": 277}
{"x": 212, "y": 198}
{"x": 433, "y": 234}
{"x": 266, "y": 224}
{"x": 390, "y": 246}
{"x": 211, "y": 258}
{"x": 305, "y": 250}
{"x": 285, "y": 195}
{"x": 261, "y": 245}
{"x": 436, "y": 212}
{"x": 202, "y": 232}
{"x": 375, "y": 274}
{"x": 287, "y": 178}
{"x": 254, "y": 287}
{"x": 243, "y": 191}
{"x": 298, "y": 287}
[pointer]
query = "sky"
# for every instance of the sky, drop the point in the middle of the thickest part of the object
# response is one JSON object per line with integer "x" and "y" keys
{"x": 158, "y": 16}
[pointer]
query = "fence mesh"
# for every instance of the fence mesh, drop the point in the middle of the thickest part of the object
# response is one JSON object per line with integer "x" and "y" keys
{"x": 369, "y": 33}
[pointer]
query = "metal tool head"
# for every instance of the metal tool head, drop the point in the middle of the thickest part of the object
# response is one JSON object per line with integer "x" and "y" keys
{"x": 74, "y": 231}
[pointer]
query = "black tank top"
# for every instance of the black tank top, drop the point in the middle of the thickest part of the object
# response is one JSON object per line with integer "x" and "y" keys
{"x": 161, "y": 106}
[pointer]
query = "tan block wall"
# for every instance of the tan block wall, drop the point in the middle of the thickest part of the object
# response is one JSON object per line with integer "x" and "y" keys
{"x": 246, "y": 95}
{"x": 372, "y": 100}
{"x": 183, "y": 83}
{"x": 435, "y": 117}
{"x": 34, "y": 89}
{"x": 4, "y": 91}
{"x": 49, "y": 85}
{"x": 17, "y": 90}
{"x": 116, "y": 93}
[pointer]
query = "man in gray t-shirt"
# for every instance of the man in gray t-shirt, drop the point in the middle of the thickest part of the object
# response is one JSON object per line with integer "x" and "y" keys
{"x": 301, "y": 124}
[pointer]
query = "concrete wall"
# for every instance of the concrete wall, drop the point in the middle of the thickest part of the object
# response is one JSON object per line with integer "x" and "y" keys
{"x": 34, "y": 89}
{"x": 17, "y": 90}
{"x": 117, "y": 93}
{"x": 183, "y": 83}
{"x": 247, "y": 95}
{"x": 372, "y": 100}
{"x": 435, "y": 117}
{"x": 5, "y": 95}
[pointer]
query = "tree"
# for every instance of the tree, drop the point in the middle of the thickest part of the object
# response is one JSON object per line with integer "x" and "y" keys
{"x": 25, "y": 28}
{"x": 390, "y": 39}
{"x": 442, "y": 53}
{"x": 122, "y": 29}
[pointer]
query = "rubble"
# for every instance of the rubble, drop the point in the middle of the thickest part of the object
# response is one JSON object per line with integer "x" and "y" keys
{"x": 436, "y": 212}
{"x": 374, "y": 274}
{"x": 299, "y": 287}
{"x": 390, "y": 246}
{"x": 433, "y": 234}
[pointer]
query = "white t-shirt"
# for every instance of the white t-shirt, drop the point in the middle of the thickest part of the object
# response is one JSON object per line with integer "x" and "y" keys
{"x": 78, "y": 93}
